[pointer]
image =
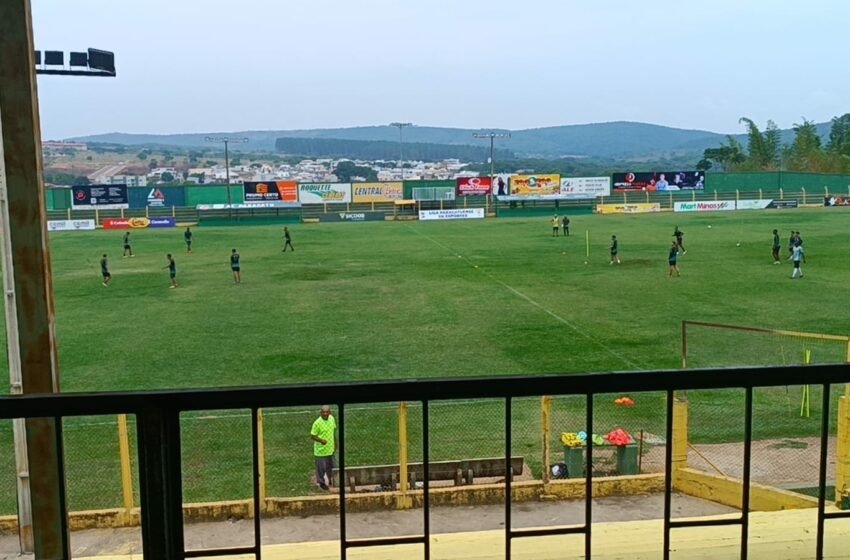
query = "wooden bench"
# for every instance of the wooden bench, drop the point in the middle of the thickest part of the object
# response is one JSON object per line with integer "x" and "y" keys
{"x": 462, "y": 471}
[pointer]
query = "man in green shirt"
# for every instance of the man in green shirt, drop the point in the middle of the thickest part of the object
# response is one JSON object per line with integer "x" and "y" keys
{"x": 323, "y": 434}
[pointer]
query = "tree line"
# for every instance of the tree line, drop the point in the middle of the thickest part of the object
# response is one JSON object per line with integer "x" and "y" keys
{"x": 765, "y": 150}
{"x": 384, "y": 150}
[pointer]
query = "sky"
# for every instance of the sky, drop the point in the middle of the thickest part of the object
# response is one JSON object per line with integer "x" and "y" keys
{"x": 212, "y": 65}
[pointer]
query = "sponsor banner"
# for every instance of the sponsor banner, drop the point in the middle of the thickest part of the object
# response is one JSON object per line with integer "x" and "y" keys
{"x": 783, "y": 203}
{"x": 252, "y": 206}
{"x": 70, "y": 225}
{"x": 270, "y": 191}
{"x": 104, "y": 197}
{"x": 353, "y": 217}
{"x": 474, "y": 186}
{"x": 320, "y": 193}
{"x": 833, "y": 200}
{"x": 639, "y": 208}
{"x": 501, "y": 184}
{"x": 157, "y": 197}
{"x": 536, "y": 186}
{"x": 452, "y": 214}
{"x": 126, "y": 223}
{"x": 704, "y": 206}
{"x": 659, "y": 181}
{"x": 585, "y": 187}
{"x": 163, "y": 222}
{"x": 377, "y": 192}
{"x": 757, "y": 204}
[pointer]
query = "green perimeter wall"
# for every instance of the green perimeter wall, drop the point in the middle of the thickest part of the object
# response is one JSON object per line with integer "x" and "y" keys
{"x": 213, "y": 194}
{"x": 773, "y": 181}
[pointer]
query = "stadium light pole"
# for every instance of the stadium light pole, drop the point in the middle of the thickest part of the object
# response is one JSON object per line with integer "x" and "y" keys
{"x": 226, "y": 140}
{"x": 492, "y": 136}
{"x": 401, "y": 126}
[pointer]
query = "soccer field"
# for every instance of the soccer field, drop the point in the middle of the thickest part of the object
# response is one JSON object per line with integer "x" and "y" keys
{"x": 399, "y": 300}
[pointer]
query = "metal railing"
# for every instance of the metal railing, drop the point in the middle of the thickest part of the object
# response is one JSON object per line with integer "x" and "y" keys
{"x": 157, "y": 415}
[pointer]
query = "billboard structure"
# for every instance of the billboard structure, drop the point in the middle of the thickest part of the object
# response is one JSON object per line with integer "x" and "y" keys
{"x": 270, "y": 191}
{"x": 535, "y": 186}
{"x": 474, "y": 186}
{"x": 102, "y": 197}
{"x": 659, "y": 181}
{"x": 585, "y": 187}
{"x": 324, "y": 193}
{"x": 377, "y": 192}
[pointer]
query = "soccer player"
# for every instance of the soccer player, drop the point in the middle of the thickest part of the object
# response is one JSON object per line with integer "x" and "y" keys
{"x": 566, "y": 224}
{"x": 791, "y": 242}
{"x": 127, "y": 248}
{"x": 672, "y": 259}
{"x": 172, "y": 270}
{"x": 287, "y": 240}
{"x": 234, "y": 267}
{"x": 678, "y": 234}
{"x": 799, "y": 243}
{"x": 104, "y": 271}
{"x": 615, "y": 257}
{"x": 556, "y": 225}
{"x": 776, "y": 246}
{"x": 796, "y": 255}
{"x": 187, "y": 237}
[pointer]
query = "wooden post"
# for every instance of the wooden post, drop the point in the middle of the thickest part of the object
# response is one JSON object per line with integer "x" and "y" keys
{"x": 122, "y": 213}
{"x": 546, "y": 417}
{"x": 27, "y": 256}
{"x": 69, "y": 212}
{"x": 173, "y": 211}
{"x": 147, "y": 212}
{"x": 403, "y": 500}
{"x": 126, "y": 472}
{"x": 261, "y": 458}
{"x": 842, "y": 452}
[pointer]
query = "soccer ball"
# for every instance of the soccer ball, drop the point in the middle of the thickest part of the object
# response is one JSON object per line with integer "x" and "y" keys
{"x": 709, "y": 226}
{"x": 738, "y": 244}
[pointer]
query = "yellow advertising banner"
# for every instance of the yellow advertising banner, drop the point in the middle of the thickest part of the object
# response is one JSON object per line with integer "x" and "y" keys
{"x": 377, "y": 192}
{"x": 639, "y": 208}
{"x": 535, "y": 185}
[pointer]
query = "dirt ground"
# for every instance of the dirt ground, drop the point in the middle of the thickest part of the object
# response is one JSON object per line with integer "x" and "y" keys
{"x": 387, "y": 523}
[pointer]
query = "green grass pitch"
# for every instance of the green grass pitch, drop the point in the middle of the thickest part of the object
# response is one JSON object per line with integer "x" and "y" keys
{"x": 400, "y": 300}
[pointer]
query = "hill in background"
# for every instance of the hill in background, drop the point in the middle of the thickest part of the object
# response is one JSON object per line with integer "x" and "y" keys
{"x": 612, "y": 140}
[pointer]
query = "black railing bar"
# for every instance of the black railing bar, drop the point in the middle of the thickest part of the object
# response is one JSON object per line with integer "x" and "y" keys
{"x": 508, "y": 475}
{"x": 426, "y": 474}
{"x": 343, "y": 543}
{"x": 836, "y": 515}
{"x": 745, "y": 478}
{"x": 80, "y": 404}
{"x": 258, "y": 505}
{"x": 60, "y": 465}
{"x": 824, "y": 446}
{"x": 690, "y": 523}
{"x": 385, "y": 541}
{"x": 588, "y": 477}
{"x": 668, "y": 475}
{"x": 548, "y": 532}
{"x": 203, "y": 553}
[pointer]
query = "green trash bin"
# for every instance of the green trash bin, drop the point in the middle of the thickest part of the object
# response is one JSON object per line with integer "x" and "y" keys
{"x": 574, "y": 459}
{"x": 627, "y": 459}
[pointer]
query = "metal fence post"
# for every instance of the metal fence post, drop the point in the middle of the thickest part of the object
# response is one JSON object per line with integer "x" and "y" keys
{"x": 546, "y": 415}
{"x": 126, "y": 472}
{"x": 261, "y": 458}
{"x": 842, "y": 452}
{"x": 804, "y": 194}
{"x": 679, "y": 442}
{"x": 403, "y": 500}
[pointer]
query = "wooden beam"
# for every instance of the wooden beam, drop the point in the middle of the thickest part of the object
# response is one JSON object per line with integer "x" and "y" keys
{"x": 33, "y": 290}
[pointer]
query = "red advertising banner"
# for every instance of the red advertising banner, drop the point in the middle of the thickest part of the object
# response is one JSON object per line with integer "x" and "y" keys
{"x": 474, "y": 186}
{"x": 126, "y": 223}
{"x": 271, "y": 191}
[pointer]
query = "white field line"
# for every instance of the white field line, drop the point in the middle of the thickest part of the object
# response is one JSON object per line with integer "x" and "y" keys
{"x": 523, "y": 296}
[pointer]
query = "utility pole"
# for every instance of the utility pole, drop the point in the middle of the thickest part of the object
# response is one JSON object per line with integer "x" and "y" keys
{"x": 492, "y": 136}
{"x": 226, "y": 140}
{"x": 401, "y": 126}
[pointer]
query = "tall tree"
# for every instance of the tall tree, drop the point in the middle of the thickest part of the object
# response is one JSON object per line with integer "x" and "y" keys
{"x": 805, "y": 153}
{"x": 839, "y": 135}
{"x": 763, "y": 147}
{"x": 729, "y": 156}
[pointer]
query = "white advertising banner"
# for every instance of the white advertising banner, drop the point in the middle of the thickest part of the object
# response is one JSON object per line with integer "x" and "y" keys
{"x": 321, "y": 193}
{"x": 452, "y": 214}
{"x": 585, "y": 187}
{"x": 704, "y": 206}
{"x": 70, "y": 225}
{"x": 754, "y": 204}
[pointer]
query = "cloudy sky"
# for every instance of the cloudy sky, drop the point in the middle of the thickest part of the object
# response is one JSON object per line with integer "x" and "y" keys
{"x": 211, "y": 65}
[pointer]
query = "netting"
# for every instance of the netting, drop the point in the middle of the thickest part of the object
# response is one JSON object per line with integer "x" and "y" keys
{"x": 8, "y": 492}
{"x": 786, "y": 419}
